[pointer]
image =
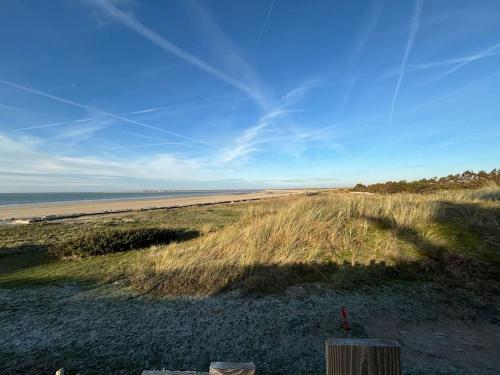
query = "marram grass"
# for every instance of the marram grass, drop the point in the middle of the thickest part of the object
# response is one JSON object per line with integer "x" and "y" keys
{"x": 337, "y": 238}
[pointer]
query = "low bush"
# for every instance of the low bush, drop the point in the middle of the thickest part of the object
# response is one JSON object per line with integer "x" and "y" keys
{"x": 111, "y": 240}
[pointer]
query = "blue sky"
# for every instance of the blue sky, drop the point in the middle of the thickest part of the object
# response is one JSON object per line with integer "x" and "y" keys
{"x": 126, "y": 95}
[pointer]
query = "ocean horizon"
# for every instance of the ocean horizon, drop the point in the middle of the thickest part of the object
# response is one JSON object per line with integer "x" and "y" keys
{"x": 13, "y": 199}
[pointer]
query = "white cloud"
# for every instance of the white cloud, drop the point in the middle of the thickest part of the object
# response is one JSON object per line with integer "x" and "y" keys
{"x": 255, "y": 135}
{"x": 25, "y": 157}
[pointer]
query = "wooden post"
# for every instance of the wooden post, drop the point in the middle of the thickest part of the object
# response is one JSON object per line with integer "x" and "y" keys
{"x": 362, "y": 357}
{"x": 231, "y": 368}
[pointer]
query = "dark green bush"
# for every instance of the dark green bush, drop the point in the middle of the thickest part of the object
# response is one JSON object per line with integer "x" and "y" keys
{"x": 111, "y": 240}
{"x": 466, "y": 180}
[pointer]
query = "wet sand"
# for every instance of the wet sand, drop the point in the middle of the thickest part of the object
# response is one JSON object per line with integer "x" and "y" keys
{"x": 29, "y": 211}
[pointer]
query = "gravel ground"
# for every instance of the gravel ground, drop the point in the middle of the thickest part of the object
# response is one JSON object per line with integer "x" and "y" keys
{"x": 109, "y": 330}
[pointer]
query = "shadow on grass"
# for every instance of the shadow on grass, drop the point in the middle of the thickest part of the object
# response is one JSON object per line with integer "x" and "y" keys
{"x": 36, "y": 265}
{"x": 468, "y": 260}
{"x": 16, "y": 258}
{"x": 25, "y": 282}
{"x": 471, "y": 232}
{"x": 115, "y": 240}
{"x": 259, "y": 279}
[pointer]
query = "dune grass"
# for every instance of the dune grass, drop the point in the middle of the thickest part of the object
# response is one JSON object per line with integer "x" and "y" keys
{"x": 338, "y": 238}
{"x": 342, "y": 239}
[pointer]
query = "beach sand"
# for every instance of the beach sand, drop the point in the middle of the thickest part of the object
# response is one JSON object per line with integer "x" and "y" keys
{"x": 29, "y": 211}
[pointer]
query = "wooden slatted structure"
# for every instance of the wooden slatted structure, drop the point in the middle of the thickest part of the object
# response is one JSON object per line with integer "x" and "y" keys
{"x": 362, "y": 357}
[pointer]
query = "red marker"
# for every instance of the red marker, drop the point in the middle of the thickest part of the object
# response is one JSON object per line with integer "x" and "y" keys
{"x": 345, "y": 322}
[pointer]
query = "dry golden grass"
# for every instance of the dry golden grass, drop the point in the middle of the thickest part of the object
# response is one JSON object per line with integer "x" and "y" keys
{"x": 338, "y": 238}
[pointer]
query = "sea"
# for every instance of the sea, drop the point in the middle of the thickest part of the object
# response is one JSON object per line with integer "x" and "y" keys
{"x": 12, "y": 199}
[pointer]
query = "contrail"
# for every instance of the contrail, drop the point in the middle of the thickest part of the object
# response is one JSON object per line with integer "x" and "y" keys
{"x": 60, "y": 123}
{"x": 88, "y": 108}
{"x": 173, "y": 49}
{"x": 358, "y": 49}
{"x": 221, "y": 45}
{"x": 367, "y": 31}
{"x": 266, "y": 21}
{"x": 149, "y": 110}
{"x": 415, "y": 23}
{"x": 457, "y": 60}
{"x": 484, "y": 53}
{"x": 52, "y": 124}
{"x": 184, "y": 144}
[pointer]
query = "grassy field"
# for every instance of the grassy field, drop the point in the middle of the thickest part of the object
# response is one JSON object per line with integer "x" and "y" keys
{"x": 342, "y": 239}
{"x": 25, "y": 250}
{"x": 273, "y": 272}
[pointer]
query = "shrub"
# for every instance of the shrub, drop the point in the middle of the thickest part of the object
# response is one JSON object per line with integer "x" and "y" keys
{"x": 466, "y": 180}
{"x": 113, "y": 240}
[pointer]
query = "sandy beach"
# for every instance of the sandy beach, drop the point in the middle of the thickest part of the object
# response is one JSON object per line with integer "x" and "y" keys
{"x": 29, "y": 211}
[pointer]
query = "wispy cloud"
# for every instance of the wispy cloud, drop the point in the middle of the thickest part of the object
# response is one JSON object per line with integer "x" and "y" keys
{"x": 131, "y": 22}
{"x": 24, "y": 154}
{"x": 92, "y": 109}
{"x": 253, "y": 136}
{"x": 248, "y": 141}
{"x": 415, "y": 24}
{"x": 78, "y": 133}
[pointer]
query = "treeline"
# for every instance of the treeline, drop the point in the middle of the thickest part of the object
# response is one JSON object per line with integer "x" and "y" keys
{"x": 465, "y": 180}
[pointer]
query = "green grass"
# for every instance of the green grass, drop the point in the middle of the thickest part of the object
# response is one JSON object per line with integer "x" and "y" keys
{"x": 114, "y": 240}
{"x": 47, "y": 233}
{"x": 25, "y": 260}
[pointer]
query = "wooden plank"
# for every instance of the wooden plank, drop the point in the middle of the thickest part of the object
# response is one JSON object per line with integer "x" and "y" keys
{"x": 232, "y": 368}
{"x": 362, "y": 357}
